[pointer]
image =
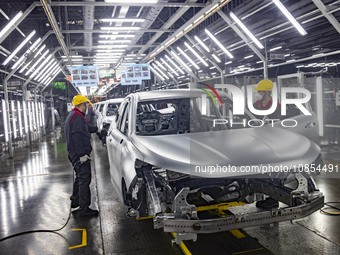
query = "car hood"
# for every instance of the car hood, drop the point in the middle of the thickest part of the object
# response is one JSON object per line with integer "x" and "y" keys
{"x": 228, "y": 152}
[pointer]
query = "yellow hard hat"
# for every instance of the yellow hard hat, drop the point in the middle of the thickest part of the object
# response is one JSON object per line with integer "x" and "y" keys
{"x": 264, "y": 85}
{"x": 79, "y": 99}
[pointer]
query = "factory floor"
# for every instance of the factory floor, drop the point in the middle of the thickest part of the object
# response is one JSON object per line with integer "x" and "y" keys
{"x": 36, "y": 184}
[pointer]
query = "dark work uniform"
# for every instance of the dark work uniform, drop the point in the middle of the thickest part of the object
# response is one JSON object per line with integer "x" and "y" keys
{"x": 79, "y": 144}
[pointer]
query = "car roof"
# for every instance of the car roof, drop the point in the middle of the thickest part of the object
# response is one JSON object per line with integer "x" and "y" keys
{"x": 114, "y": 100}
{"x": 171, "y": 93}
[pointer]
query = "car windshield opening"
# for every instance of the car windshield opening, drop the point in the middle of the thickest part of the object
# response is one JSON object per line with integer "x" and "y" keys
{"x": 176, "y": 116}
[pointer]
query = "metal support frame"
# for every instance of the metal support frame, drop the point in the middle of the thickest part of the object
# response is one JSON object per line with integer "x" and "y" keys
{"x": 49, "y": 13}
{"x": 187, "y": 27}
{"x": 23, "y": 16}
{"x": 240, "y": 34}
{"x": 208, "y": 58}
{"x": 319, "y": 105}
{"x": 324, "y": 10}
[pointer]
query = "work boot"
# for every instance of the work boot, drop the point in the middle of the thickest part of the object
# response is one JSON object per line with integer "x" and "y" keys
{"x": 269, "y": 203}
{"x": 87, "y": 213}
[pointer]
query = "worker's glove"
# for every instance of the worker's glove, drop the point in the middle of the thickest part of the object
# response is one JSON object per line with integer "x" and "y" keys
{"x": 84, "y": 159}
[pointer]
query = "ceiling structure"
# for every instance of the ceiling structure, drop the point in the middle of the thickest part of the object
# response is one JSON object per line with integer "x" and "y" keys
{"x": 182, "y": 40}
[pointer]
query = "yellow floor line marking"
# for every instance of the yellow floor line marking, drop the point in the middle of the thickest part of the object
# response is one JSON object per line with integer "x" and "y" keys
{"x": 237, "y": 233}
{"x": 83, "y": 238}
{"x": 183, "y": 247}
{"x": 244, "y": 252}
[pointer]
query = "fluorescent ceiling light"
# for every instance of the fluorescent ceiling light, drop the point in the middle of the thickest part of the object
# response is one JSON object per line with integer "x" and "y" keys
{"x": 258, "y": 62}
{"x": 119, "y": 28}
{"x": 180, "y": 61}
{"x": 156, "y": 73}
{"x": 110, "y": 50}
{"x": 112, "y": 46}
{"x": 109, "y": 54}
{"x": 229, "y": 62}
{"x": 246, "y": 30}
{"x": 48, "y": 75}
{"x": 276, "y": 48}
{"x": 123, "y": 20}
{"x": 216, "y": 58}
{"x": 37, "y": 62}
{"x": 160, "y": 65}
{"x": 132, "y": 1}
{"x": 202, "y": 43}
{"x": 72, "y": 56}
{"x": 174, "y": 64}
{"x": 107, "y": 57}
{"x": 40, "y": 66}
{"x": 117, "y": 36}
{"x": 290, "y": 17}
{"x": 30, "y": 49}
{"x": 188, "y": 58}
{"x": 250, "y": 56}
{"x": 218, "y": 43}
{"x": 114, "y": 41}
{"x": 53, "y": 62}
{"x": 10, "y": 24}
{"x": 47, "y": 71}
{"x": 159, "y": 70}
{"x": 172, "y": 70}
{"x": 40, "y": 50}
{"x": 196, "y": 54}
{"x": 19, "y": 48}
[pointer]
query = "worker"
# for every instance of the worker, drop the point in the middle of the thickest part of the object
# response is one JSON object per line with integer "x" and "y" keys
{"x": 79, "y": 149}
{"x": 264, "y": 89}
{"x": 91, "y": 118}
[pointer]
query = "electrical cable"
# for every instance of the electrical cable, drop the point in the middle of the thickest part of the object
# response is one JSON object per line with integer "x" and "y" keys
{"x": 329, "y": 206}
{"x": 42, "y": 230}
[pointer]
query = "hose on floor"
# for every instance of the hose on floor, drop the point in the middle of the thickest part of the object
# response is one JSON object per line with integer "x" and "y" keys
{"x": 41, "y": 230}
{"x": 330, "y": 206}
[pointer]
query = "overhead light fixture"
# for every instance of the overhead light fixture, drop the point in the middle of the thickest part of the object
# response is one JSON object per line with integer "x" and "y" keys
{"x": 276, "y": 48}
{"x": 119, "y": 28}
{"x": 30, "y": 49}
{"x": 114, "y": 36}
{"x": 202, "y": 43}
{"x": 179, "y": 60}
{"x": 10, "y": 57}
{"x": 156, "y": 73}
{"x": 114, "y": 41}
{"x": 39, "y": 51}
{"x": 123, "y": 20}
{"x": 4, "y": 114}
{"x": 196, "y": 54}
{"x": 290, "y": 17}
{"x": 112, "y": 46}
{"x": 43, "y": 74}
{"x": 174, "y": 64}
{"x": 110, "y": 50}
{"x": 229, "y": 62}
{"x": 249, "y": 56}
{"x": 109, "y": 54}
{"x": 54, "y": 75}
{"x": 10, "y": 24}
{"x": 246, "y": 30}
{"x": 172, "y": 70}
{"x": 188, "y": 58}
{"x": 160, "y": 71}
{"x": 53, "y": 62}
{"x": 160, "y": 65}
{"x": 132, "y": 1}
{"x": 259, "y": 62}
{"x": 37, "y": 62}
{"x": 40, "y": 66}
{"x": 218, "y": 43}
{"x": 216, "y": 58}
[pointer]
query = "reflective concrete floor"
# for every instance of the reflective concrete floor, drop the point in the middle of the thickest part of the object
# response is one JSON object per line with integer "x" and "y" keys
{"x": 34, "y": 195}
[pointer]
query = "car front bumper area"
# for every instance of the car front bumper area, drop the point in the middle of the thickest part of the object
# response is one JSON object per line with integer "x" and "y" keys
{"x": 185, "y": 221}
